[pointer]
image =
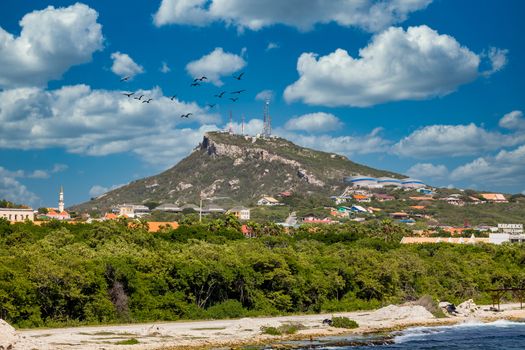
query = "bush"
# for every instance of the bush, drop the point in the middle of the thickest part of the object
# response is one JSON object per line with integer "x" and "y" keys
{"x": 131, "y": 341}
{"x": 344, "y": 322}
{"x": 431, "y": 305}
{"x": 288, "y": 328}
{"x": 227, "y": 309}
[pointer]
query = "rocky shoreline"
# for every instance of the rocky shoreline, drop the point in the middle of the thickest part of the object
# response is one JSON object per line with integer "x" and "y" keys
{"x": 239, "y": 332}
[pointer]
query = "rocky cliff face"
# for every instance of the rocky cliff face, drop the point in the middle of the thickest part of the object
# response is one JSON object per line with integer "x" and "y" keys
{"x": 241, "y": 168}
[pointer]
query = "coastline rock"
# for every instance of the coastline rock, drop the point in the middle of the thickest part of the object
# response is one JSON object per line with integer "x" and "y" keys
{"x": 467, "y": 308}
{"x": 7, "y": 335}
{"x": 393, "y": 312}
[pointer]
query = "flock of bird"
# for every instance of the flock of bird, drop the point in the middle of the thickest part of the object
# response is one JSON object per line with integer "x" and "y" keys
{"x": 195, "y": 83}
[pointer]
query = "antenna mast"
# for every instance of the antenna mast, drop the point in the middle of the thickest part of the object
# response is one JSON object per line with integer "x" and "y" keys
{"x": 267, "y": 128}
{"x": 231, "y": 125}
{"x": 242, "y": 125}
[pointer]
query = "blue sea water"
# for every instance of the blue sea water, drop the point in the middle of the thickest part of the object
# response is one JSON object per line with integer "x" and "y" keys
{"x": 468, "y": 336}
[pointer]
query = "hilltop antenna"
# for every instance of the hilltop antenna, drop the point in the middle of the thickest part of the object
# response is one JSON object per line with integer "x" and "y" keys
{"x": 267, "y": 128}
{"x": 231, "y": 125}
{"x": 242, "y": 125}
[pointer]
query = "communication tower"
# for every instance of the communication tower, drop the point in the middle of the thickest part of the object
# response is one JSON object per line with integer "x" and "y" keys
{"x": 230, "y": 129}
{"x": 267, "y": 128}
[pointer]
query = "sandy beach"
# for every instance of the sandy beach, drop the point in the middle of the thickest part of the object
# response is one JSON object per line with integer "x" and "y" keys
{"x": 231, "y": 333}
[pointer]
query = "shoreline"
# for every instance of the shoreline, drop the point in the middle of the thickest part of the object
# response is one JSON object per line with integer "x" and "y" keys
{"x": 233, "y": 333}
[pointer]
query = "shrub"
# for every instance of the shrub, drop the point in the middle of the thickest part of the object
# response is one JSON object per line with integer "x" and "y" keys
{"x": 288, "y": 328}
{"x": 431, "y": 305}
{"x": 344, "y": 322}
{"x": 131, "y": 341}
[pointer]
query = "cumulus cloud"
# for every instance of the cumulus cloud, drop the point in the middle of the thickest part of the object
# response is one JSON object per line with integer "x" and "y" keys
{"x": 12, "y": 190}
{"x": 98, "y": 190}
{"x": 347, "y": 145}
{"x": 215, "y": 65}
{"x": 271, "y": 46}
{"x": 453, "y": 140}
{"x": 369, "y": 15}
{"x": 50, "y": 42}
{"x": 314, "y": 122}
{"x": 505, "y": 168}
{"x": 428, "y": 170}
{"x": 123, "y": 65}
{"x": 513, "y": 120}
{"x": 165, "y": 68}
{"x": 101, "y": 122}
{"x": 264, "y": 95}
{"x": 415, "y": 64}
{"x": 498, "y": 60}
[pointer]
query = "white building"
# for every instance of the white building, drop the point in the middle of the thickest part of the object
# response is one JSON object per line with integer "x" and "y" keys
{"x": 17, "y": 214}
{"x": 169, "y": 208}
{"x": 269, "y": 201}
{"x": 512, "y": 233}
{"x": 240, "y": 213}
{"x": 132, "y": 210}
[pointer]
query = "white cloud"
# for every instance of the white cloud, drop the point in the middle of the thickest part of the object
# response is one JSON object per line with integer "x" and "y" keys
{"x": 123, "y": 65}
{"x": 272, "y": 46}
{"x": 12, "y": 190}
{"x": 165, "y": 68}
{"x": 369, "y": 15}
{"x": 58, "y": 168}
{"x": 50, "y": 42}
{"x": 428, "y": 170}
{"x": 215, "y": 65}
{"x": 453, "y": 140}
{"x": 347, "y": 145}
{"x": 98, "y": 190}
{"x": 415, "y": 64}
{"x": 101, "y": 122}
{"x": 507, "y": 168}
{"x": 264, "y": 95}
{"x": 498, "y": 60}
{"x": 314, "y": 122}
{"x": 39, "y": 174}
{"x": 513, "y": 120}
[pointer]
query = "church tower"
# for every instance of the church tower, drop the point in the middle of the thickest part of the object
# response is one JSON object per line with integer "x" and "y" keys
{"x": 61, "y": 200}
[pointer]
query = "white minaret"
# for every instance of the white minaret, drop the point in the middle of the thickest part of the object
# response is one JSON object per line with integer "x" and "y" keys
{"x": 61, "y": 200}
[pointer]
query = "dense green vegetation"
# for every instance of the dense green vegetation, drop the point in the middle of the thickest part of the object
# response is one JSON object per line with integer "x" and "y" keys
{"x": 60, "y": 273}
{"x": 344, "y": 322}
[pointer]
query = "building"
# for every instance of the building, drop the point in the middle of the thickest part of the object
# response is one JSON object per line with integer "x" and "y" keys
{"x": 156, "y": 226}
{"x": 412, "y": 183}
{"x": 268, "y": 201}
{"x": 389, "y": 181}
{"x": 372, "y": 182}
{"x": 311, "y": 219}
{"x": 494, "y": 197}
{"x": 132, "y": 210}
{"x": 361, "y": 198}
{"x": 460, "y": 240}
{"x": 169, "y": 208}
{"x": 61, "y": 200}
{"x": 17, "y": 214}
{"x": 57, "y": 215}
{"x": 383, "y": 197}
{"x": 240, "y": 213}
{"x": 212, "y": 208}
{"x": 362, "y": 181}
{"x": 508, "y": 233}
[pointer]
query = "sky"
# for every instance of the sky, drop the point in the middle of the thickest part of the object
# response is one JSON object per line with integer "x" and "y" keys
{"x": 432, "y": 89}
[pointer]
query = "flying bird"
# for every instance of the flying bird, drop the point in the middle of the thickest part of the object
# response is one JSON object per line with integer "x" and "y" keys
{"x": 220, "y": 95}
{"x": 147, "y": 101}
{"x": 126, "y": 78}
{"x": 186, "y": 115}
{"x": 237, "y": 92}
{"x": 138, "y": 98}
{"x": 211, "y": 105}
{"x": 173, "y": 97}
{"x": 234, "y": 98}
{"x": 238, "y": 77}
{"x": 200, "y": 79}
{"x": 129, "y": 95}
{"x": 195, "y": 84}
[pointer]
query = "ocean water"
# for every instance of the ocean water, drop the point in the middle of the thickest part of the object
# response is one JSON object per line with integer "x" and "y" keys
{"x": 467, "y": 336}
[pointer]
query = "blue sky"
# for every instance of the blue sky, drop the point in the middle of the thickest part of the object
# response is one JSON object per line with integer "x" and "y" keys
{"x": 432, "y": 89}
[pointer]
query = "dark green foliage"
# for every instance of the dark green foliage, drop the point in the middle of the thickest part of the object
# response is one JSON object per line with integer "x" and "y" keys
{"x": 71, "y": 274}
{"x": 343, "y": 322}
{"x": 287, "y": 328}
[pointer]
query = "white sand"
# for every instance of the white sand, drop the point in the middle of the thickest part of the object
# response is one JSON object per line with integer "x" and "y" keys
{"x": 202, "y": 334}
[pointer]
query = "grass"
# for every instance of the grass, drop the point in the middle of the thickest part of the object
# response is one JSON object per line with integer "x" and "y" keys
{"x": 208, "y": 329}
{"x": 131, "y": 341}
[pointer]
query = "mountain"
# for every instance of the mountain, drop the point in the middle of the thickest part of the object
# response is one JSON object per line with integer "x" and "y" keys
{"x": 242, "y": 168}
